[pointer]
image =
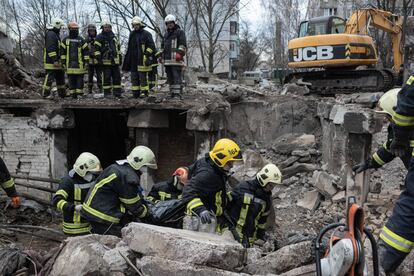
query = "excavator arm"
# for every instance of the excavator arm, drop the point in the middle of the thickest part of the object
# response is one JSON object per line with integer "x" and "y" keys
{"x": 361, "y": 19}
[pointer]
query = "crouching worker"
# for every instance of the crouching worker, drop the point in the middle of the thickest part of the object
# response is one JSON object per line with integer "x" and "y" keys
{"x": 249, "y": 205}
{"x": 171, "y": 188}
{"x": 205, "y": 193}
{"x": 115, "y": 196}
{"x": 72, "y": 192}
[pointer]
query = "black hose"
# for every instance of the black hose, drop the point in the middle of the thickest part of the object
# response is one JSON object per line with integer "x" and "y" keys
{"x": 318, "y": 244}
{"x": 374, "y": 247}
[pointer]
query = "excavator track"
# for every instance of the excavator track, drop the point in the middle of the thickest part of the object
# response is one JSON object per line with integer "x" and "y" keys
{"x": 342, "y": 81}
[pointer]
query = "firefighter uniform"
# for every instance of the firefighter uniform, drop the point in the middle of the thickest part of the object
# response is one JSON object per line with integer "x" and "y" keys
{"x": 174, "y": 46}
{"x": 108, "y": 54}
{"x": 397, "y": 236}
{"x": 153, "y": 74}
{"x": 116, "y": 191}
{"x": 52, "y": 64}
{"x": 72, "y": 191}
{"x": 248, "y": 208}
{"x": 206, "y": 189}
{"x": 75, "y": 57}
{"x": 93, "y": 66}
{"x": 139, "y": 59}
{"x": 165, "y": 190}
{"x": 7, "y": 183}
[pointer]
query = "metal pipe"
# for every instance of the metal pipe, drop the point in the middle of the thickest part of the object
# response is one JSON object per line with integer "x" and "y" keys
{"x": 35, "y": 178}
{"x": 33, "y": 186}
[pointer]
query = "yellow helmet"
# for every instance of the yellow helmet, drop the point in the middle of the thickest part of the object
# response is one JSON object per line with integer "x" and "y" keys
{"x": 87, "y": 162}
{"x": 388, "y": 101}
{"x": 269, "y": 174}
{"x": 225, "y": 150}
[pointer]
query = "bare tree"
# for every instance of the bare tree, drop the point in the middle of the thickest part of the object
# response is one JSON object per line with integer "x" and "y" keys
{"x": 251, "y": 48}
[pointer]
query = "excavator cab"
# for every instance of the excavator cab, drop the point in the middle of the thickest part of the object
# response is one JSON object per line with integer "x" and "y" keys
{"x": 321, "y": 26}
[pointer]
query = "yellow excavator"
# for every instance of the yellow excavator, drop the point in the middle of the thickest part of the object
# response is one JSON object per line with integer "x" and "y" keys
{"x": 338, "y": 56}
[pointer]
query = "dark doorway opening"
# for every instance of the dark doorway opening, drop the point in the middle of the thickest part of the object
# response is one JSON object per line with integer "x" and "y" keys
{"x": 102, "y": 132}
{"x": 176, "y": 145}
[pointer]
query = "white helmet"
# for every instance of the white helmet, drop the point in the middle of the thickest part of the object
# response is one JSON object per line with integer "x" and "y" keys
{"x": 57, "y": 23}
{"x": 105, "y": 23}
{"x": 170, "y": 18}
{"x": 87, "y": 162}
{"x": 269, "y": 174}
{"x": 136, "y": 20}
{"x": 142, "y": 156}
{"x": 388, "y": 101}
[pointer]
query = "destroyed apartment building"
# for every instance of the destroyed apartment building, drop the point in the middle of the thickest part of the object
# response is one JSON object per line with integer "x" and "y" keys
{"x": 314, "y": 139}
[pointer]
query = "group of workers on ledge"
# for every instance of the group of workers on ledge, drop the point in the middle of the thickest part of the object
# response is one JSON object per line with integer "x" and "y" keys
{"x": 100, "y": 55}
{"x": 102, "y": 201}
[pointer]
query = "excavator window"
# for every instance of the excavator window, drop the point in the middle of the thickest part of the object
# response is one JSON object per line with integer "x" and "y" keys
{"x": 337, "y": 25}
{"x": 322, "y": 25}
{"x": 303, "y": 28}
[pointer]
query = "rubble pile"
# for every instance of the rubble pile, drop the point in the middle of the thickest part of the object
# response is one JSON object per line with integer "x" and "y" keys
{"x": 13, "y": 74}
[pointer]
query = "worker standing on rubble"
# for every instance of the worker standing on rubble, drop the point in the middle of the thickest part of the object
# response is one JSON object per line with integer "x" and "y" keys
{"x": 397, "y": 236}
{"x": 387, "y": 103}
{"x": 7, "y": 183}
{"x": 173, "y": 47}
{"x": 93, "y": 66}
{"x": 139, "y": 58}
{"x": 249, "y": 205}
{"x": 108, "y": 54}
{"x": 74, "y": 55}
{"x": 205, "y": 192}
{"x": 115, "y": 196}
{"x": 72, "y": 192}
{"x": 171, "y": 188}
{"x": 51, "y": 60}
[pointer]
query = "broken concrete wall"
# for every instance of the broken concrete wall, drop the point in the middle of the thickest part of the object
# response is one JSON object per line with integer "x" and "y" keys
{"x": 29, "y": 150}
{"x": 266, "y": 121}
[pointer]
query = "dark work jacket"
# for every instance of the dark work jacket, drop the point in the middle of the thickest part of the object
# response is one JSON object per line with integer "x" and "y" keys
{"x": 140, "y": 47}
{"x": 108, "y": 49}
{"x": 90, "y": 40}
{"x": 164, "y": 190}
{"x": 174, "y": 41}
{"x": 116, "y": 190}
{"x": 248, "y": 208}
{"x": 74, "y": 55}
{"x": 51, "y": 52}
{"x": 206, "y": 189}
{"x": 6, "y": 182}
{"x": 383, "y": 155}
{"x": 72, "y": 191}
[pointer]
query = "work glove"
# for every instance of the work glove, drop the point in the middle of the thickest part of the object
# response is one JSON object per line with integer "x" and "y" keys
{"x": 78, "y": 208}
{"x": 57, "y": 64}
{"x": 179, "y": 56}
{"x": 205, "y": 217}
{"x": 367, "y": 164}
{"x": 148, "y": 61}
{"x": 401, "y": 141}
{"x": 15, "y": 201}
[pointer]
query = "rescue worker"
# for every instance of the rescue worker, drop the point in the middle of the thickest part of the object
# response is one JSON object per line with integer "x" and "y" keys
{"x": 108, "y": 54}
{"x": 139, "y": 58}
{"x": 397, "y": 236}
{"x": 153, "y": 74}
{"x": 383, "y": 155}
{"x": 171, "y": 188}
{"x": 205, "y": 193}
{"x": 174, "y": 47}
{"x": 51, "y": 60}
{"x": 72, "y": 192}
{"x": 93, "y": 66}
{"x": 116, "y": 194}
{"x": 250, "y": 202}
{"x": 74, "y": 55}
{"x": 7, "y": 183}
